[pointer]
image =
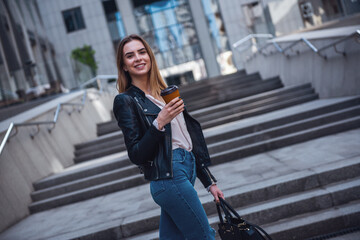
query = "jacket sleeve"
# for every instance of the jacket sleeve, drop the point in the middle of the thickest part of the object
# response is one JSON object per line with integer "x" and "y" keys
{"x": 141, "y": 144}
{"x": 205, "y": 176}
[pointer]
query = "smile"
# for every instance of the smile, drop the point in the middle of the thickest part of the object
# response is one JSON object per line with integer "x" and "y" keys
{"x": 140, "y": 66}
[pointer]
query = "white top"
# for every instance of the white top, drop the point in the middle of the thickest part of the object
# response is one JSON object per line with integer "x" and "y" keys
{"x": 180, "y": 135}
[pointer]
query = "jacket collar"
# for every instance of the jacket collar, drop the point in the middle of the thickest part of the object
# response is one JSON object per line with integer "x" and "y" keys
{"x": 148, "y": 106}
{"x": 136, "y": 89}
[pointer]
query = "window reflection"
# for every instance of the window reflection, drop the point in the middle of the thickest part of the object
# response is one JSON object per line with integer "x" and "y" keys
{"x": 169, "y": 29}
{"x": 216, "y": 26}
{"x": 218, "y": 36}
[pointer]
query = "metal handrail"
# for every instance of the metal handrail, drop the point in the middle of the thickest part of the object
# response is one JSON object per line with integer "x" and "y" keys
{"x": 309, "y": 44}
{"x": 251, "y": 36}
{"x": 37, "y": 124}
{"x": 58, "y": 109}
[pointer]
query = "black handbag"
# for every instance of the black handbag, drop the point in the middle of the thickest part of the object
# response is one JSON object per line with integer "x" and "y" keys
{"x": 236, "y": 228}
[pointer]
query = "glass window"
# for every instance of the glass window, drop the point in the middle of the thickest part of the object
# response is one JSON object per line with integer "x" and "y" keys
{"x": 114, "y": 21}
{"x": 183, "y": 13}
{"x": 169, "y": 29}
{"x": 73, "y": 19}
{"x": 145, "y": 23}
{"x": 216, "y": 26}
{"x": 189, "y": 33}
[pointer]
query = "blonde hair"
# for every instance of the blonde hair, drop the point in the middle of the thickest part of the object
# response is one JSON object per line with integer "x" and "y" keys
{"x": 157, "y": 83}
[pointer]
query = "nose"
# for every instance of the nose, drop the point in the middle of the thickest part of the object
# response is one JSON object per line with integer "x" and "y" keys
{"x": 137, "y": 57}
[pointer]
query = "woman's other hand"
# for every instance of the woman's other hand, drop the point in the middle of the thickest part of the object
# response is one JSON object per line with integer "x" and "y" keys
{"x": 169, "y": 112}
{"x": 216, "y": 192}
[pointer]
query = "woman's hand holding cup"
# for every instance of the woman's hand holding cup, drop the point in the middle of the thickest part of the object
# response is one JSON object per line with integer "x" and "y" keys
{"x": 170, "y": 111}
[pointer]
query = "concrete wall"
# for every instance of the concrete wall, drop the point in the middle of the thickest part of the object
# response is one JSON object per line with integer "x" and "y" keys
{"x": 335, "y": 77}
{"x": 24, "y": 161}
{"x": 96, "y": 34}
{"x": 235, "y": 24}
{"x": 285, "y": 16}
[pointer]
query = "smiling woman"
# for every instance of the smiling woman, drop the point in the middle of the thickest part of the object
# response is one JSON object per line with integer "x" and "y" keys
{"x": 165, "y": 142}
{"x": 137, "y": 61}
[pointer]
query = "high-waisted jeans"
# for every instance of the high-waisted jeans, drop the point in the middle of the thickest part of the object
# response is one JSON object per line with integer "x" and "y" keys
{"x": 182, "y": 215}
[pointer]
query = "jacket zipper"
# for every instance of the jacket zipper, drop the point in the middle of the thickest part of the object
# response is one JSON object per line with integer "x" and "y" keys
{"x": 149, "y": 124}
{"x": 147, "y": 120}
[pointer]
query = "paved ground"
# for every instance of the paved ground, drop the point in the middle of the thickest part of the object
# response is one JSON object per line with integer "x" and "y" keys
{"x": 113, "y": 209}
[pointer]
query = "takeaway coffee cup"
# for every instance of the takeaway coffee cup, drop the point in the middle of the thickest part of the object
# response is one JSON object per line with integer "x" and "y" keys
{"x": 170, "y": 93}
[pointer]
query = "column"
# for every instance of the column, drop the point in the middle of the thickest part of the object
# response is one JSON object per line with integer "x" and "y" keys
{"x": 127, "y": 14}
{"x": 202, "y": 29}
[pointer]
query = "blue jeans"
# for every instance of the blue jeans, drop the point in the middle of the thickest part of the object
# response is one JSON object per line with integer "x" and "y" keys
{"x": 182, "y": 215}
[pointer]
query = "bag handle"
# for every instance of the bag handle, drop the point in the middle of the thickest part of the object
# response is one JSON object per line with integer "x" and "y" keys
{"x": 225, "y": 206}
{"x": 219, "y": 213}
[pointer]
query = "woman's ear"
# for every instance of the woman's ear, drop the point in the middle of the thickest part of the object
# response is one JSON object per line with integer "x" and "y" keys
{"x": 125, "y": 68}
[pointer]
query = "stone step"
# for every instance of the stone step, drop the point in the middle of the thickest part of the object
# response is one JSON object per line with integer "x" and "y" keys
{"x": 317, "y": 223}
{"x": 215, "y": 92}
{"x": 96, "y": 152}
{"x": 106, "y": 128}
{"x": 297, "y": 95}
{"x": 86, "y": 182}
{"x": 283, "y": 129}
{"x": 261, "y": 123}
{"x": 269, "y": 205}
{"x": 119, "y": 145}
{"x": 86, "y": 193}
{"x": 278, "y": 118}
{"x": 286, "y": 140}
{"x": 229, "y": 150}
{"x": 238, "y": 102}
{"x": 328, "y": 201}
{"x": 235, "y": 93}
{"x": 222, "y": 82}
{"x": 229, "y": 155}
{"x": 113, "y": 149}
{"x": 286, "y": 207}
{"x": 99, "y": 140}
{"x": 97, "y": 166}
{"x": 112, "y": 126}
{"x": 212, "y": 122}
{"x": 102, "y": 216}
{"x": 256, "y": 103}
{"x": 215, "y": 80}
{"x": 187, "y": 91}
{"x": 90, "y": 192}
{"x": 101, "y": 146}
{"x": 219, "y": 96}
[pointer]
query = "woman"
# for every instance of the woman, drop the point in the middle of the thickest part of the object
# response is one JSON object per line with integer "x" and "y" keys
{"x": 164, "y": 141}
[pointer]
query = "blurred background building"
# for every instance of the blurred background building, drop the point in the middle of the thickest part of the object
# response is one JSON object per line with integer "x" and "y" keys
{"x": 192, "y": 40}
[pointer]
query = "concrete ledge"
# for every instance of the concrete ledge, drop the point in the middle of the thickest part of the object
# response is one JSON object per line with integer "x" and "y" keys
{"x": 39, "y": 110}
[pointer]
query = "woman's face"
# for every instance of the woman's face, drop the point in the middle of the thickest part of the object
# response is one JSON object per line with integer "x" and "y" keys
{"x": 136, "y": 59}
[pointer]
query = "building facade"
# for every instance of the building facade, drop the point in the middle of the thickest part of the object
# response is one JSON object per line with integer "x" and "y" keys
{"x": 191, "y": 40}
{"x": 27, "y": 57}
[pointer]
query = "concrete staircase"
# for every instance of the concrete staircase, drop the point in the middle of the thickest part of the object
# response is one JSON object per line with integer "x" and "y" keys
{"x": 242, "y": 127}
{"x": 213, "y": 91}
{"x": 294, "y": 206}
{"x": 227, "y": 142}
{"x": 209, "y": 117}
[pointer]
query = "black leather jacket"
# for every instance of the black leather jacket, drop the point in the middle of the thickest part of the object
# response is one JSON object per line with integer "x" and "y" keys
{"x": 150, "y": 148}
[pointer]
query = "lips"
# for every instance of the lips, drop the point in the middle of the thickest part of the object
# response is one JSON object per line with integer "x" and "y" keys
{"x": 140, "y": 66}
